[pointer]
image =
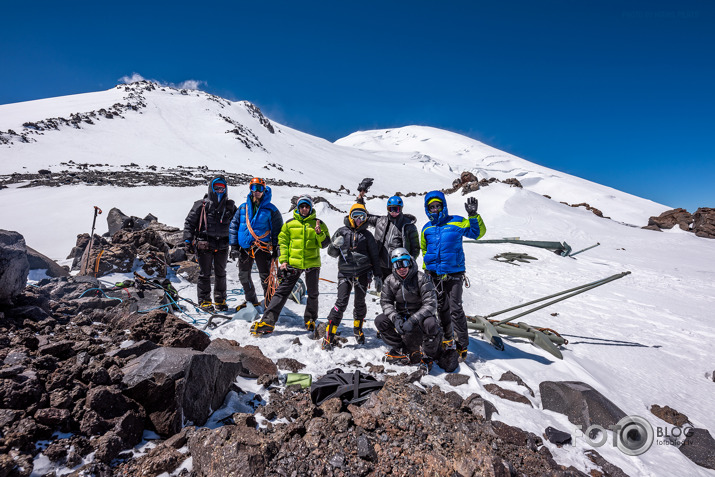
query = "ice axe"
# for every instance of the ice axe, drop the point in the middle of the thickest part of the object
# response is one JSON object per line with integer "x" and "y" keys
{"x": 97, "y": 211}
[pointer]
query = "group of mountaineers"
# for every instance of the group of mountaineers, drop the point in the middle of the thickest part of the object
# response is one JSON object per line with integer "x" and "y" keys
{"x": 422, "y": 319}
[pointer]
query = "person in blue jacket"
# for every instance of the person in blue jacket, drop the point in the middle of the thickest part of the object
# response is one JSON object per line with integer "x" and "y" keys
{"x": 253, "y": 235}
{"x": 443, "y": 260}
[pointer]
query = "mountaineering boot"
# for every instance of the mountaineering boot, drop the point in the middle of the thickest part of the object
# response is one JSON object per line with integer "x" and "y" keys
{"x": 260, "y": 328}
{"x": 449, "y": 344}
{"x": 221, "y": 306}
{"x": 357, "y": 332}
{"x": 243, "y": 305}
{"x": 416, "y": 357}
{"x": 462, "y": 352}
{"x": 207, "y": 306}
{"x": 426, "y": 364}
{"x": 396, "y": 356}
{"x": 310, "y": 325}
{"x": 329, "y": 340}
{"x": 448, "y": 360}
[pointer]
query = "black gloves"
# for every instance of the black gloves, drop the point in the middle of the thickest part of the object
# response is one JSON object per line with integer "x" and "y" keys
{"x": 235, "y": 252}
{"x": 471, "y": 206}
{"x": 189, "y": 246}
{"x": 404, "y": 326}
{"x": 365, "y": 184}
{"x": 378, "y": 284}
{"x": 275, "y": 253}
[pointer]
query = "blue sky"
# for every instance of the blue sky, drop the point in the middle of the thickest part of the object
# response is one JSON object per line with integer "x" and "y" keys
{"x": 618, "y": 92}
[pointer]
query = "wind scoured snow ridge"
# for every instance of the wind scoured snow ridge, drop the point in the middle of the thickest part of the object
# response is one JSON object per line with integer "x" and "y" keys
{"x": 643, "y": 340}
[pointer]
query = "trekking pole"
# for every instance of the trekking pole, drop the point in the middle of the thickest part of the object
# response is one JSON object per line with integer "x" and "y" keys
{"x": 97, "y": 211}
{"x": 579, "y": 290}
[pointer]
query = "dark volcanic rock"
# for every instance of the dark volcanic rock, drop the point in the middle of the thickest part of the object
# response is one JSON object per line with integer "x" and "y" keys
{"x": 670, "y": 218}
{"x": 509, "y": 376}
{"x": 704, "y": 222}
{"x": 582, "y": 404}
{"x": 699, "y": 446}
{"x": 507, "y": 394}
{"x": 14, "y": 266}
{"x": 177, "y": 385}
{"x": 456, "y": 379}
{"x": 252, "y": 360}
{"x": 608, "y": 469}
{"x": 670, "y": 415}
{"x": 39, "y": 261}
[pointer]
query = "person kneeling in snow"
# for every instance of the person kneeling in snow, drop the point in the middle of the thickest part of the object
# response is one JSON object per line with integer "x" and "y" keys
{"x": 409, "y": 306}
{"x": 299, "y": 241}
{"x": 358, "y": 258}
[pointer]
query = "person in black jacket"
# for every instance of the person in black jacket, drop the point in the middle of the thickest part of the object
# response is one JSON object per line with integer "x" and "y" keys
{"x": 408, "y": 319}
{"x": 357, "y": 253}
{"x": 206, "y": 234}
{"x": 392, "y": 231}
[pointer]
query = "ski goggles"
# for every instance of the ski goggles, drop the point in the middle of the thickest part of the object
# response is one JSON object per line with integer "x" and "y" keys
{"x": 257, "y": 188}
{"x": 402, "y": 262}
{"x": 435, "y": 207}
{"x": 358, "y": 216}
{"x": 393, "y": 208}
{"x": 219, "y": 188}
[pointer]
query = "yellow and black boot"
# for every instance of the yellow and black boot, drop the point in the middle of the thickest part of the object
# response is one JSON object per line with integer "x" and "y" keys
{"x": 357, "y": 332}
{"x": 329, "y": 340}
{"x": 260, "y": 328}
{"x": 221, "y": 306}
{"x": 207, "y": 306}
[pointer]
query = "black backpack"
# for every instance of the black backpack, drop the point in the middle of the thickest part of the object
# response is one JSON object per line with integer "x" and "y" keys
{"x": 351, "y": 388}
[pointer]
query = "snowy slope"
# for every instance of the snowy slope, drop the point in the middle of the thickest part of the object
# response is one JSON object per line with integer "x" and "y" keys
{"x": 645, "y": 339}
{"x": 426, "y": 148}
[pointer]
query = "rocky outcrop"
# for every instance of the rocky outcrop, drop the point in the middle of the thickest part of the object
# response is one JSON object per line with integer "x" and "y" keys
{"x": 704, "y": 222}
{"x": 670, "y": 218}
{"x": 14, "y": 266}
{"x": 699, "y": 447}
{"x": 39, "y": 261}
{"x": 669, "y": 415}
{"x": 582, "y": 404}
{"x": 177, "y": 386}
{"x": 400, "y": 430}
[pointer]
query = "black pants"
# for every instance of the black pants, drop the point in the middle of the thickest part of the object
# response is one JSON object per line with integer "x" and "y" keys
{"x": 428, "y": 334}
{"x": 212, "y": 260}
{"x": 245, "y": 263}
{"x": 451, "y": 313}
{"x": 278, "y": 301}
{"x": 345, "y": 286}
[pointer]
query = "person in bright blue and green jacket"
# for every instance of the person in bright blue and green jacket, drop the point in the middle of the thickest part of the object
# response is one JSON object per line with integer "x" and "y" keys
{"x": 299, "y": 242}
{"x": 443, "y": 260}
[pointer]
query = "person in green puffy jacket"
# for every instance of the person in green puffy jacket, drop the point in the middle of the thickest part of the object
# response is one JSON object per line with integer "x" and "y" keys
{"x": 300, "y": 241}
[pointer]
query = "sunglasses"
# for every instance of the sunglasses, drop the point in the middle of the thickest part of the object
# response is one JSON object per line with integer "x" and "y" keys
{"x": 219, "y": 189}
{"x": 304, "y": 206}
{"x": 257, "y": 188}
{"x": 393, "y": 208}
{"x": 436, "y": 207}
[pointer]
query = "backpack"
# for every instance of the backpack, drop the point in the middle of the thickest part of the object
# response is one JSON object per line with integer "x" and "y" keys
{"x": 351, "y": 388}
